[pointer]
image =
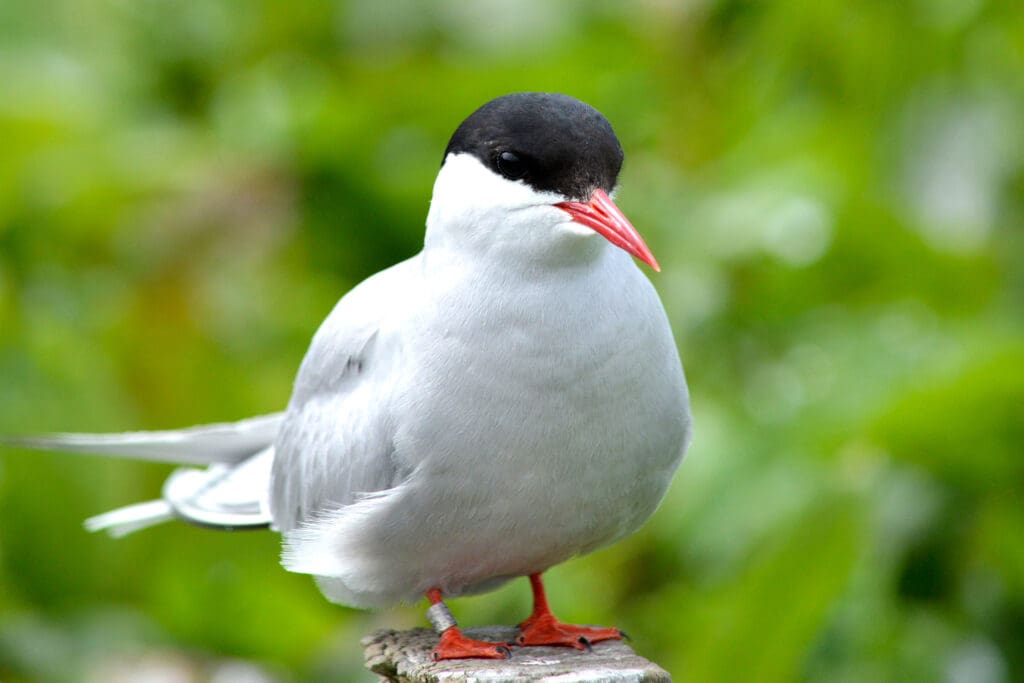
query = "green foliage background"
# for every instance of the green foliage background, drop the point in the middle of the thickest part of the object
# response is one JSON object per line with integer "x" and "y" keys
{"x": 835, "y": 191}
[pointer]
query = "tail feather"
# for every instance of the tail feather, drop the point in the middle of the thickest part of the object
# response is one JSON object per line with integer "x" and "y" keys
{"x": 229, "y": 491}
{"x": 226, "y": 442}
{"x": 132, "y": 518}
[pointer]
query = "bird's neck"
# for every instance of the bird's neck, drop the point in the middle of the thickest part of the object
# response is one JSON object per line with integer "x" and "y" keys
{"x": 526, "y": 251}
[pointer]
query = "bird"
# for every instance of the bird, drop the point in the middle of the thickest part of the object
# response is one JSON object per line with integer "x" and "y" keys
{"x": 503, "y": 401}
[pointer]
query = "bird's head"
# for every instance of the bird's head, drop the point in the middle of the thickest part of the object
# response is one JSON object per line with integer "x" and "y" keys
{"x": 532, "y": 173}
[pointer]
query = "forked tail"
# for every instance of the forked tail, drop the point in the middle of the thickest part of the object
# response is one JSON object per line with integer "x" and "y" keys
{"x": 230, "y": 493}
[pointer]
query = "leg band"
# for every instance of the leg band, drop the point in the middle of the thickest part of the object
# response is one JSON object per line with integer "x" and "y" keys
{"x": 441, "y": 617}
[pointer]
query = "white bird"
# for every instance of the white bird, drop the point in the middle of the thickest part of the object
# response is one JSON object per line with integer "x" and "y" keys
{"x": 508, "y": 398}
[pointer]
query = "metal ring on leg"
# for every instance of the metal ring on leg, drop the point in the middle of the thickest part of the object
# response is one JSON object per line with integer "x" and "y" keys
{"x": 441, "y": 617}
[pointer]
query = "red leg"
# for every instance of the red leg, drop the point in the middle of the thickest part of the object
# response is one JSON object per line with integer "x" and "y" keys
{"x": 541, "y": 628}
{"x": 454, "y": 645}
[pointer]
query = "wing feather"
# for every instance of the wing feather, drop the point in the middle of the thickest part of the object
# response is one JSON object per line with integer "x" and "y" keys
{"x": 335, "y": 442}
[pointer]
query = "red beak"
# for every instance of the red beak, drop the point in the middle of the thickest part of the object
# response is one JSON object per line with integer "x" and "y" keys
{"x": 601, "y": 215}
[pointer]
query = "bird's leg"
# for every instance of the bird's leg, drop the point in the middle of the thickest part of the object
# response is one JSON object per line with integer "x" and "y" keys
{"x": 541, "y": 628}
{"x": 453, "y": 644}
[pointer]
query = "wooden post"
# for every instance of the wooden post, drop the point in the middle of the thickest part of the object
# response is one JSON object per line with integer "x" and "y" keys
{"x": 404, "y": 657}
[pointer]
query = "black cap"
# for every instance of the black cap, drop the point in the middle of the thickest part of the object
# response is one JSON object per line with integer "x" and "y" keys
{"x": 551, "y": 142}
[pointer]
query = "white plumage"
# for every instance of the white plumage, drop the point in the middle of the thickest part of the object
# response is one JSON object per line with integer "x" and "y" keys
{"x": 510, "y": 411}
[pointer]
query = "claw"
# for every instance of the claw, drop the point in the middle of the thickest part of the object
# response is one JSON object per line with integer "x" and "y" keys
{"x": 586, "y": 644}
{"x": 625, "y": 636}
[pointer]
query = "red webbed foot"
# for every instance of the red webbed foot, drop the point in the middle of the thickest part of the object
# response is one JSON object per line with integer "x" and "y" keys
{"x": 543, "y": 629}
{"x": 546, "y": 630}
{"x": 454, "y": 645}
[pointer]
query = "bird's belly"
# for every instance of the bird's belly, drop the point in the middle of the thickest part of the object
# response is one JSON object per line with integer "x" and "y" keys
{"x": 524, "y": 466}
{"x": 532, "y": 429}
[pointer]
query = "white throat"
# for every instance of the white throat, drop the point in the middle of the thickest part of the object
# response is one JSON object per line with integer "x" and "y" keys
{"x": 476, "y": 212}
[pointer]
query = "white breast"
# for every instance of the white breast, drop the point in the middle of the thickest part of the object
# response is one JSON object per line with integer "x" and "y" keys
{"x": 536, "y": 426}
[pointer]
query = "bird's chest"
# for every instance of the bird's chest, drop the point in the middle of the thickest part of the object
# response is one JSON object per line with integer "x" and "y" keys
{"x": 554, "y": 413}
{"x": 537, "y": 378}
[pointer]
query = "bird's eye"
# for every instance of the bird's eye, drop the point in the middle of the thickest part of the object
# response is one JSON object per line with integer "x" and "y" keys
{"x": 511, "y": 166}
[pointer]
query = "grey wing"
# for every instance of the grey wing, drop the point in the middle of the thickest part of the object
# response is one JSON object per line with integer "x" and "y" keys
{"x": 335, "y": 443}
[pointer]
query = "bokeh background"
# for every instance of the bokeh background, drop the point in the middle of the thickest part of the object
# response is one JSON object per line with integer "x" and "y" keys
{"x": 835, "y": 191}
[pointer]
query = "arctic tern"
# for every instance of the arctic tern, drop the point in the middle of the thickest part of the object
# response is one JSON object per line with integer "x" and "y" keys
{"x": 508, "y": 398}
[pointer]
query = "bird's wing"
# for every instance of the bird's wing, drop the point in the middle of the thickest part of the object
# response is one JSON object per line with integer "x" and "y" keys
{"x": 335, "y": 444}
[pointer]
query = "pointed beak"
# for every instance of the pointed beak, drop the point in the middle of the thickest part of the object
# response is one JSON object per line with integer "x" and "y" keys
{"x": 601, "y": 215}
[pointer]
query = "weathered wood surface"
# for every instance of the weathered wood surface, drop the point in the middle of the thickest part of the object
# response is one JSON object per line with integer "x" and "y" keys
{"x": 404, "y": 657}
